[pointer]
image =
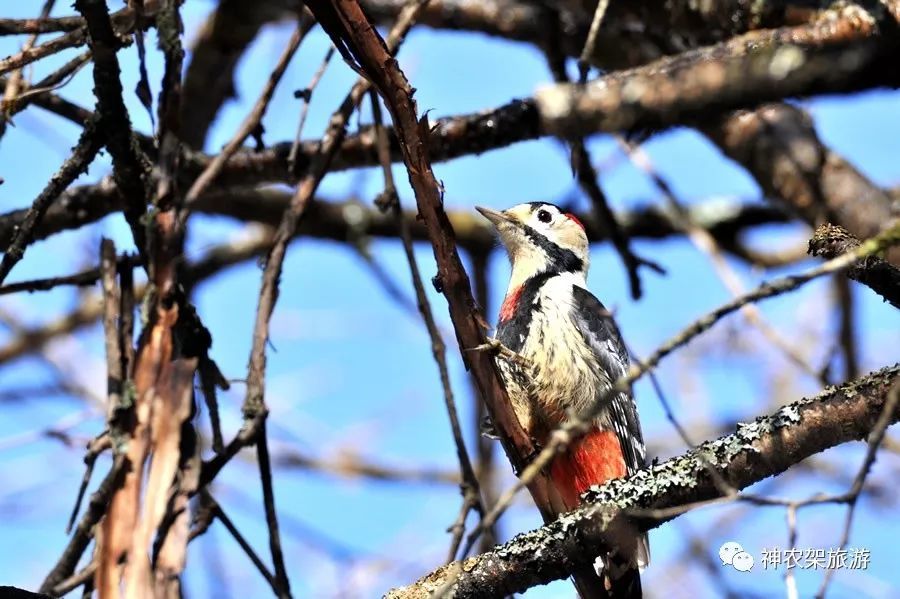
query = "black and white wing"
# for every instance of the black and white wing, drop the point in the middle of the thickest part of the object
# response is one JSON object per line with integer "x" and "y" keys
{"x": 600, "y": 332}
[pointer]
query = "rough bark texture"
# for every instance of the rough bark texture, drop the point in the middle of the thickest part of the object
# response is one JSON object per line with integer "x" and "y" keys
{"x": 755, "y": 451}
{"x": 879, "y": 275}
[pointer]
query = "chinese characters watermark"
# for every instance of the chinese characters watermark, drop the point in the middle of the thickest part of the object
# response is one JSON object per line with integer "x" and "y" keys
{"x": 834, "y": 558}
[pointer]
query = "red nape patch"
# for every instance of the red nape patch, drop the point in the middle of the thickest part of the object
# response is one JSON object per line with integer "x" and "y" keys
{"x": 574, "y": 218}
{"x": 592, "y": 460}
{"x": 508, "y": 309}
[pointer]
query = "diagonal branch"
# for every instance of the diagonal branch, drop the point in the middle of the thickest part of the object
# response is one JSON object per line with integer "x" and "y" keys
{"x": 390, "y": 201}
{"x": 744, "y": 71}
{"x": 349, "y": 28}
{"x": 83, "y": 154}
{"x": 757, "y": 450}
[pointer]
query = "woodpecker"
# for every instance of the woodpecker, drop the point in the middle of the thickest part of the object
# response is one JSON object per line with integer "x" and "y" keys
{"x": 573, "y": 354}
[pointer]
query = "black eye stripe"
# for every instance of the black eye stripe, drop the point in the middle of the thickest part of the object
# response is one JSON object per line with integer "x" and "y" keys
{"x": 561, "y": 260}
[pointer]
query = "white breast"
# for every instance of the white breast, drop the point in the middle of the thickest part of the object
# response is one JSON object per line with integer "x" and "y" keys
{"x": 564, "y": 376}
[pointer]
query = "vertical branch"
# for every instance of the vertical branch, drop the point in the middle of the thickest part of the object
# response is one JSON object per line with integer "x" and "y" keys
{"x": 112, "y": 305}
{"x": 587, "y": 54}
{"x": 486, "y": 467}
{"x": 254, "y": 407}
{"x": 265, "y": 471}
{"x": 129, "y": 167}
{"x": 843, "y": 291}
{"x": 390, "y": 200}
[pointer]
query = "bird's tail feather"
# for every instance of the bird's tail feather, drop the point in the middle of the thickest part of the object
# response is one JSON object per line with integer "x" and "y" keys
{"x": 594, "y": 459}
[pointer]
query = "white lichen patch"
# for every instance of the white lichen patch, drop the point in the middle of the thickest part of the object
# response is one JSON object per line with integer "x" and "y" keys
{"x": 785, "y": 61}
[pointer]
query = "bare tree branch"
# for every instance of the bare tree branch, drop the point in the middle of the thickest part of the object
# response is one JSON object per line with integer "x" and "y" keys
{"x": 88, "y": 145}
{"x": 757, "y": 450}
{"x": 129, "y": 166}
{"x": 875, "y": 273}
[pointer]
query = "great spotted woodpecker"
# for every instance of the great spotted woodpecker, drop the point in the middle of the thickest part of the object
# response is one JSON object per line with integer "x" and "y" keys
{"x": 573, "y": 353}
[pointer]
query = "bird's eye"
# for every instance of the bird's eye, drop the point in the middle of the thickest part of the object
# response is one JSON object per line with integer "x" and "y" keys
{"x": 544, "y": 216}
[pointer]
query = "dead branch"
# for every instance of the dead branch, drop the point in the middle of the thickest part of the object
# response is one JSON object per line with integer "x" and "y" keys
{"x": 83, "y": 154}
{"x": 114, "y": 124}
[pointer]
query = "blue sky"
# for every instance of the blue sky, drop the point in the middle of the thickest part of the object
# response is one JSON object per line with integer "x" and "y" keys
{"x": 351, "y": 371}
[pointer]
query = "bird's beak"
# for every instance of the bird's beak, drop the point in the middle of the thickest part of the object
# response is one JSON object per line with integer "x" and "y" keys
{"x": 495, "y": 216}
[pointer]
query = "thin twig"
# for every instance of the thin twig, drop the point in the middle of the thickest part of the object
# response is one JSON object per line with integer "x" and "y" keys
{"x": 97, "y": 446}
{"x": 306, "y": 95}
{"x": 790, "y": 581}
{"x": 347, "y": 464}
{"x": 84, "y": 576}
{"x": 282, "y": 584}
{"x": 219, "y": 514}
{"x": 253, "y": 119}
{"x": 587, "y": 54}
{"x": 89, "y": 143}
{"x": 85, "y": 278}
{"x": 852, "y": 496}
{"x": 84, "y": 531}
{"x": 485, "y": 465}
{"x": 703, "y": 240}
{"x": 15, "y": 80}
{"x": 65, "y": 41}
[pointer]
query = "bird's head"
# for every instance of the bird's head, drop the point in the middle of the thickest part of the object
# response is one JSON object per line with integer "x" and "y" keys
{"x": 540, "y": 237}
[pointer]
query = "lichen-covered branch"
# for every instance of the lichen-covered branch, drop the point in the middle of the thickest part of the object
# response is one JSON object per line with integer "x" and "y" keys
{"x": 744, "y": 71}
{"x": 755, "y": 451}
{"x": 877, "y": 274}
{"x": 114, "y": 123}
